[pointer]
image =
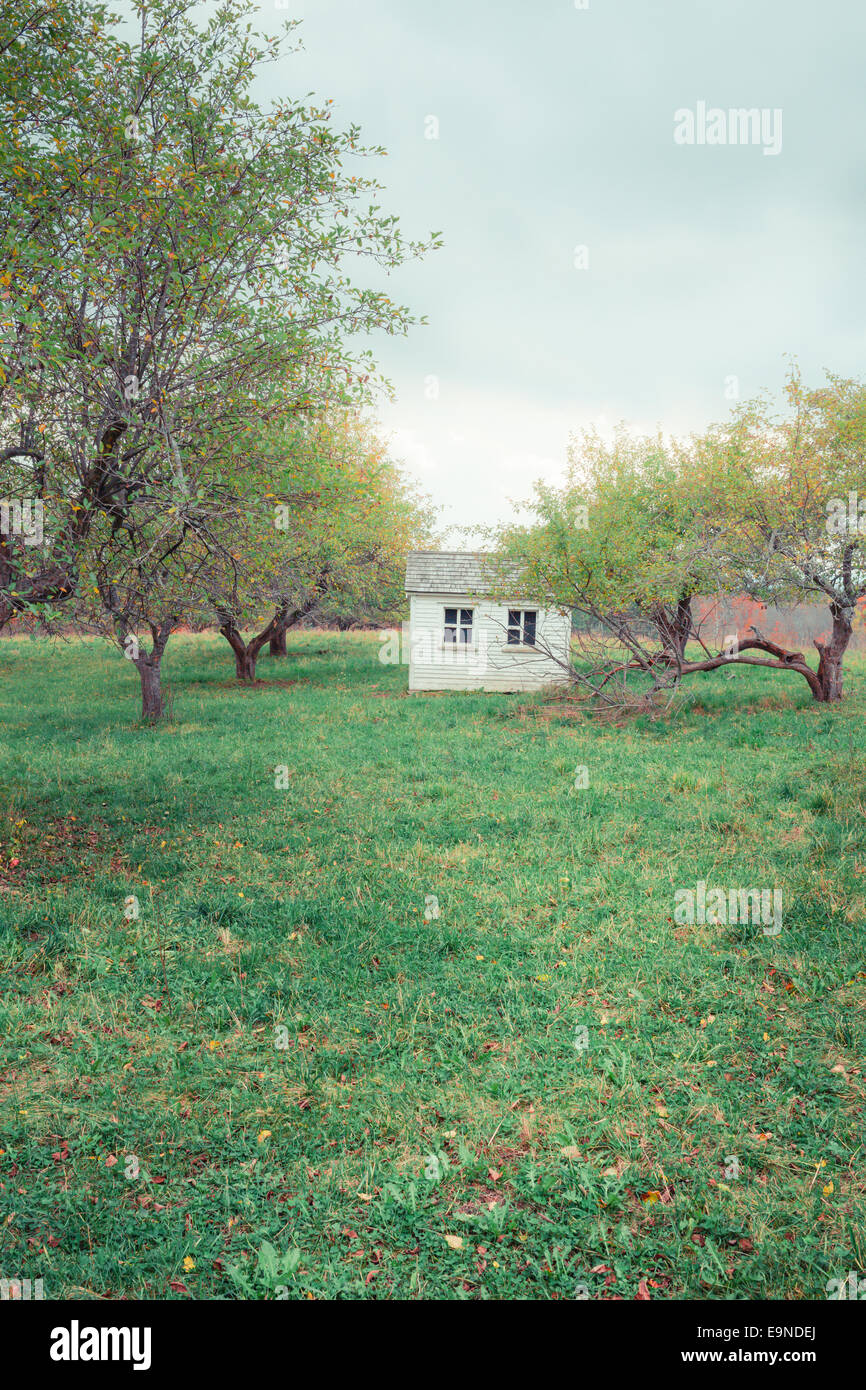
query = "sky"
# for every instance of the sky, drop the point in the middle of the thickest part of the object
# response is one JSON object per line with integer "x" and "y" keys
{"x": 704, "y": 266}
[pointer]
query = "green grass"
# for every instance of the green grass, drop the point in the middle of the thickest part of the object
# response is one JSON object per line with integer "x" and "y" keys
{"x": 430, "y": 1086}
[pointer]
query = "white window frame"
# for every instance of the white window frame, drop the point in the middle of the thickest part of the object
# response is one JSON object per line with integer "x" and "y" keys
{"x": 459, "y": 626}
{"x": 519, "y": 627}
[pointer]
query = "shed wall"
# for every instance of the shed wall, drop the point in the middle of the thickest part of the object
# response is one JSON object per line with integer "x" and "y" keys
{"x": 489, "y": 663}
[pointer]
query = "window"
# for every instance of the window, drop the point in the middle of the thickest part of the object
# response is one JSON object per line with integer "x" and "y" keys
{"x": 521, "y": 627}
{"x": 458, "y": 626}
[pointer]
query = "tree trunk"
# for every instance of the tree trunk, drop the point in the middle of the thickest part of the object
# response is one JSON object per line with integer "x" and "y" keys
{"x": 245, "y": 665}
{"x": 831, "y": 654}
{"x": 152, "y": 708}
{"x": 245, "y": 657}
{"x": 283, "y": 619}
{"x": 674, "y": 627}
{"x": 246, "y": 653}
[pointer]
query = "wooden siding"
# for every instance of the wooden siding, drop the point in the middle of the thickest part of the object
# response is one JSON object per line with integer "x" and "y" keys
{"x": 489, "y": 663}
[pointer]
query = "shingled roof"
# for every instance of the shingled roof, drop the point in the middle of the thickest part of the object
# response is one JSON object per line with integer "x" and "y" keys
{"x": 452, "y": 572}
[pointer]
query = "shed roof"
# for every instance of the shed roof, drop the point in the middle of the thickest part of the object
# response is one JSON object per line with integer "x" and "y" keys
{"x": 453, "y": 572}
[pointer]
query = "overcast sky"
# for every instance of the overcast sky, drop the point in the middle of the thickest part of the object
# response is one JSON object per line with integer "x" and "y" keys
{"x": 556, "y": 131}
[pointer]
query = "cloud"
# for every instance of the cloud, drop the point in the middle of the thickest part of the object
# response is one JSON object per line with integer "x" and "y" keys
{"x": 556, "y": 130}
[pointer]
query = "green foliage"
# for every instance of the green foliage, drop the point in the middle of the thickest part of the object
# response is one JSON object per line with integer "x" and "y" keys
{"x": 174, "y": 268}
{"x": 619, "y": 532}
{"x": 774, "y": 480}
{"x": 325, "y": 520}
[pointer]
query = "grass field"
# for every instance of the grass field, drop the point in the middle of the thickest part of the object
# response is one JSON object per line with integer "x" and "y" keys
{"x": 281, "y": 1080}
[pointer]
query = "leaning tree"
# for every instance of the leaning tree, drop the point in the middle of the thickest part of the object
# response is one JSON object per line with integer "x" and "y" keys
{"x": 788, "y": 490}
{"x": 619, "y": 545}
{"x": 769, "y": 506}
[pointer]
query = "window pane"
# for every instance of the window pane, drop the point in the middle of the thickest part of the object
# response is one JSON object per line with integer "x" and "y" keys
{"x": 466, "y": 616}
{"x": 514, "y": 617}
{"x": 451, "y": 615}
{"x": 465, "y": 634}
{"x": 513, "y": 636}
{"x": 529, "y": 629}
{"x": 450, "y": 634}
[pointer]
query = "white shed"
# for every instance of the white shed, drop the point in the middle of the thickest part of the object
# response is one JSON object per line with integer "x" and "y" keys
{"x": 460, "y": 638}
